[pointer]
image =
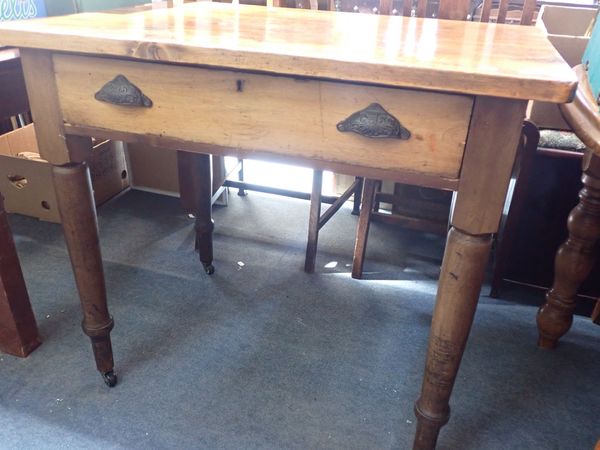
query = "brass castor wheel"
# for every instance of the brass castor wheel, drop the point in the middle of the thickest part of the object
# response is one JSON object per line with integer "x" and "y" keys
{"x": 208, "y": 268}
{"x": 110, "y": 378}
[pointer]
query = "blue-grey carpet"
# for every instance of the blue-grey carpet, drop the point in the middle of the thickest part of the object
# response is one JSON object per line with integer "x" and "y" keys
{"x": 263, "y": 356}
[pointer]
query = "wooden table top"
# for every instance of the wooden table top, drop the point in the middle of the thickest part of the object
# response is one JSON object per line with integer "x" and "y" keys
{"x": 468, "y": 57}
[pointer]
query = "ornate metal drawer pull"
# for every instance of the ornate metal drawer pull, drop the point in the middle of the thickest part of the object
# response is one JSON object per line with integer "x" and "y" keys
{"x": 123, "y": 92}
{"x": 374, "y": 122}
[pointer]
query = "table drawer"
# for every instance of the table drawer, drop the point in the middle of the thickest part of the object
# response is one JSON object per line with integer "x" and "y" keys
{"x": 272, "y": 115}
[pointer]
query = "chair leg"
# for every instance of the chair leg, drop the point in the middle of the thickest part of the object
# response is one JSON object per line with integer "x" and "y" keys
{"x": 364, "y": 222}
{"x": 596, "y": 313}
{"x": 356, "y": 197}
{"x": 313, "y": 222}
{"x": 378, "y": 187}
{"x": 241, "y": 191}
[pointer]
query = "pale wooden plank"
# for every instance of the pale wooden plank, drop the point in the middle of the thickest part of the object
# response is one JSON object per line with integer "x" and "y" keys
{"x": 262, "y": 117}
{"x": 459, "y": 57}
{"x": 414, "y": 178}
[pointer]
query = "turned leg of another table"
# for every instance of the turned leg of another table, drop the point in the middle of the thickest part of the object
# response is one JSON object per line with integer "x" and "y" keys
{"x": 73, "y": 188}
{"x": 487, "y": 164}
{"x": 574, "y": 259}
{"x": 195, "y": 187}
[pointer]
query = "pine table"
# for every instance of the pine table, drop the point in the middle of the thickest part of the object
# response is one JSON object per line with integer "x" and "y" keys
{"x": 434, "y": 103}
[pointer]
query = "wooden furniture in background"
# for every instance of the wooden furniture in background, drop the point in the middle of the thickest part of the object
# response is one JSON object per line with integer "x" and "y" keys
{"x": 545, "y": 191}
{"x": 308, "y": 89}
{"x": 13, "y": 96}
{"x": 575, "y": 258}
{"x": 18, "y": 329}
{"x": 433, "y": 214}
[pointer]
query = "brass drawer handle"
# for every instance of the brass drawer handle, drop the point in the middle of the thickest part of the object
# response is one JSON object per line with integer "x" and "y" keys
{"x": 120, "y": 91}
{"x": 374, "y": 122}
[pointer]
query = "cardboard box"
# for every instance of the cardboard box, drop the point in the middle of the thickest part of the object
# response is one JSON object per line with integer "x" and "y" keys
{"x": 565, "y": 27}
{"x": 26, "y": 183}
{"x": 153, "y": 171}
{"x": 156, "y": 171}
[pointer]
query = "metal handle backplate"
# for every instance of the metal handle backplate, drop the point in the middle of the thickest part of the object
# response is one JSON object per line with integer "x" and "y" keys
{"x": 120, "y": 91}
{"x": 374, "y": 122}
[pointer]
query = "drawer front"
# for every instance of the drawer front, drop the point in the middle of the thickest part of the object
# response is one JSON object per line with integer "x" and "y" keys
{"x": 270, "y": 114}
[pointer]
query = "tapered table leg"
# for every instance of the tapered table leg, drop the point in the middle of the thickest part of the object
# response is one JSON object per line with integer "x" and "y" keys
{"x": 18, "y": 330}
{"x": 460, "y": 282}
{"x": 195, "y": 185}
{"x": 78, "y": 214}
{"x": 574, "y": 259}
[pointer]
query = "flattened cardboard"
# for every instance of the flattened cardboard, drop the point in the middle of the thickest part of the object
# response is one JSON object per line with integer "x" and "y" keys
{"x": 156, "y": 171}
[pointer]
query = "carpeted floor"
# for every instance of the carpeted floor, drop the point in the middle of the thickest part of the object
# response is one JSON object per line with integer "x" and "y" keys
{"x": 263, "y": 356}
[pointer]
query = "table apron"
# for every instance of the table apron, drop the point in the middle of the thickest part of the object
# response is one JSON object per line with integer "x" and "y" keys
{"x": 277, "y": 116}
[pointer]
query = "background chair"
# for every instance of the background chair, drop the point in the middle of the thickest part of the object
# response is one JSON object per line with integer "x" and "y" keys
{"x": 317, "y": 219}
{"x": 431, "y": 212}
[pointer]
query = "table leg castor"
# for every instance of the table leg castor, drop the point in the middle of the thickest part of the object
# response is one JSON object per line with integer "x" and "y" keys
{"x": 78, "y": 214}
{"x": 110, "y": 378}
{"x": 195, "y": 186}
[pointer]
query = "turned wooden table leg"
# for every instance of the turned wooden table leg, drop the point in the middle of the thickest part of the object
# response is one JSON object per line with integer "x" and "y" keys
{"x": 18, "y": 330}
{"x": 75, "y": 202}
{"x": 195, "y": 186}
{"x": 489, "y": 155}
{"x": 574, "y": 259}
{"x": 78, "y": 214}
{"x": 463, "y": 270}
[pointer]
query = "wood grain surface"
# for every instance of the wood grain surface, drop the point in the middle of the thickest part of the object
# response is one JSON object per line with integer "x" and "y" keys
{"x": 467, "y": 57}
{"x": 276, "y": 115}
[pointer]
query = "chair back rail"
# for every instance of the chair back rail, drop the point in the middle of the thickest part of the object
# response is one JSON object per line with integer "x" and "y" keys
{"x": 500, "y": 14}
{"x": 499, "y": 11}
